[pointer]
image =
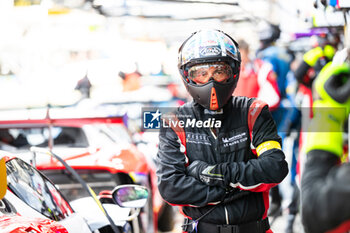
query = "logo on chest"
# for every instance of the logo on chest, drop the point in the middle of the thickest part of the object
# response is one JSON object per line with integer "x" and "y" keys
{"x": 235, "y": 139}
{"x": 197, "y": 138}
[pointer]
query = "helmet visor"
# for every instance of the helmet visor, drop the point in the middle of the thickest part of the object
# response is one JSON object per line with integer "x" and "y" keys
{"x": 203, "y": 73}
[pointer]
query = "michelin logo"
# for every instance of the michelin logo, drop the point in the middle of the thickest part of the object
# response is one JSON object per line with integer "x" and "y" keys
{"x": 239, "y": 138}
{"x": 151, "y": 119}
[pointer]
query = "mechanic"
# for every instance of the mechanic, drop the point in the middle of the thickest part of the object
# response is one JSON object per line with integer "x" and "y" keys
{"x": 273, "y": 84}
{"x": 220, "y": 174}
{"x": 325, "y": 184}
{"x": 84, "y": 86}
{"x": 316, "y": 58}
{"x": 248, "y": 74}
{"x": 324, "y": 48}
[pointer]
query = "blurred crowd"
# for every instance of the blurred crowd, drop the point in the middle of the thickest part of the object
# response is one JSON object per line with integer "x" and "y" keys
{"x": 284, "y": 78}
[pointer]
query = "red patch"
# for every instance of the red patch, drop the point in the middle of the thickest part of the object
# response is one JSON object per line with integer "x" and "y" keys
{"x": 253, "y": 113}
{"x": 214, "y": 105}
{"x": 342, "y": 228}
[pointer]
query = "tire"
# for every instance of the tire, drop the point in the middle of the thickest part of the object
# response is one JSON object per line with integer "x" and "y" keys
{"x": 166, "y": 219}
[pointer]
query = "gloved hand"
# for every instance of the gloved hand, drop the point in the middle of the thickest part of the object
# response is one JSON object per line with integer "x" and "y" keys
{"x": 208, "y": 174}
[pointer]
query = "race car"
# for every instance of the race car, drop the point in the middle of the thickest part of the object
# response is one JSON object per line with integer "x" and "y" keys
{"x": 11, "y": 222}
{"x": 100, "y": 150}
{"x": 34, "y": 204}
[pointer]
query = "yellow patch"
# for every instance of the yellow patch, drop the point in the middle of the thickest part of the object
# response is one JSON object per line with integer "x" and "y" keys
{"x": 3, "y": 178}
{"x": 268, "y": 145}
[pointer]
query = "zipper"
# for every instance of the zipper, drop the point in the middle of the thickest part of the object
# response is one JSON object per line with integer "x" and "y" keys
{"x": 226, "y": 216}
{"x": 212, "y": 133}
{"x": 216, "y": 147}
{"x": 217, "y": 143}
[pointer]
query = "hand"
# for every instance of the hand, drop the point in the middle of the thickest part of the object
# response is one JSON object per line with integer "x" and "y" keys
{"x": 208, "y": 174}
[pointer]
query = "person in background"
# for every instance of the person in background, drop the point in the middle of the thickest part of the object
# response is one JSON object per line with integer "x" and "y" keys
{"x": 220, "y": 174}
{"x": 274, "y": 65}
{"x": 131, "y": 81}
{"x": 325, "y": 182}
{"x": 316, "y": 58}
{"x": 84, "y": 86}
{"x": 324, "y": 48}
{"x": 273, "y": 69}
{"x": 291, "y": 133}
{"x": 248, "y": 83}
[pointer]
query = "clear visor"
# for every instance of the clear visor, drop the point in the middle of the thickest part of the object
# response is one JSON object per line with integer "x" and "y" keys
{"x": 203, "y": 73}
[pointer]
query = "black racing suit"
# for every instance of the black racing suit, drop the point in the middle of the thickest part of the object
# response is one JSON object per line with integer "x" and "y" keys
{"x": 231, "y": 150}
{"x": 325, "y": 193}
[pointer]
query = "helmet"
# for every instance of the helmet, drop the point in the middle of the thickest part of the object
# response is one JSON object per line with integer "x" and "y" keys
{"x": 210, "y": 46}
{"x": 268, "y": 33}
{"x": 329, "y": 37}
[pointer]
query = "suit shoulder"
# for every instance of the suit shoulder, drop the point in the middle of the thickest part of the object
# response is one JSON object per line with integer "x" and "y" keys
{"x": 242, "y": 101}
{"x": 186, "y": 109}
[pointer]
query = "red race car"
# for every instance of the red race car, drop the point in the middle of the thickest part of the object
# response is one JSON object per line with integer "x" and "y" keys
{"x": 34, "y": 204}
{"x": 12, "y": 222}
{"x": 100, "y": 150}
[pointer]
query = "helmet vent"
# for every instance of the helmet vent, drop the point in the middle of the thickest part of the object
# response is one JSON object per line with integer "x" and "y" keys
{"x": 214, "y": 105}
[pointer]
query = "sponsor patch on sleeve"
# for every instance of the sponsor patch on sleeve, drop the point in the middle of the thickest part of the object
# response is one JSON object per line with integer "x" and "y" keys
{"x": 268, "y": 145}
